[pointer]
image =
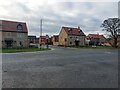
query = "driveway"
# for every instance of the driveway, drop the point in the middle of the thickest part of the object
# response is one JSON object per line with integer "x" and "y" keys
{"x": 61, "y": 68}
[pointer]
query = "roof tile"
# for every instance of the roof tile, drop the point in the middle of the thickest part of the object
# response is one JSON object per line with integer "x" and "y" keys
{"x": 73, "y": 31}
{"x": 12, "y": 26}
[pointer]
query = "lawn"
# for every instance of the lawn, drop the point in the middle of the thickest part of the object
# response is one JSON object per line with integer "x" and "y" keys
{"x": 14, "y": 50}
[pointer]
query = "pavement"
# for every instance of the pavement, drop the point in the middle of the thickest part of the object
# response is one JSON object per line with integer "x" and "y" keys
{"x": 61, "y": 68}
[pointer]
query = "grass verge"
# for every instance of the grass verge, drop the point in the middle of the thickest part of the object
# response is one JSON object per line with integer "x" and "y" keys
{"x": 14, "y": 50}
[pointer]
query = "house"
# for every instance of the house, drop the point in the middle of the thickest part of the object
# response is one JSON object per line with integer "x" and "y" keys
{"x": 55, "y": 40}
{"x": 33, "y": 40}
{"x": 95, "y": 39}
{"x": 70, "y": 36}
{"x": 118, "y": 41}
{"x": 51, "y": 40}
{"x": 14, "y": 34}
{"x": 44, "y": 40}
{"x": 110, "y": 40}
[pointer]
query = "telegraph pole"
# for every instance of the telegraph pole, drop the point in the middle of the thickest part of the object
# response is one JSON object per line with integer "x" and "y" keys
{"x": 41, "y": 33}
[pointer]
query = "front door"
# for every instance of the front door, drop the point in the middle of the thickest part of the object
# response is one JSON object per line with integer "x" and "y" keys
{"x": 76, "y": 43}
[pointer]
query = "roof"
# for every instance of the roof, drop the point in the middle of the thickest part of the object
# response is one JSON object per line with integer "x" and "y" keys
{"x": 55, "y": 35}
{"x": 44, "y": 36}
{"x": 73, "y": 31}
{"x": 94, "y": 35}
{"x": 12, "y": 26}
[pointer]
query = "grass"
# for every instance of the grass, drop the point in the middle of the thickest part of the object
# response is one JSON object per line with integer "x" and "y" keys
{"x": 14, "y": 50}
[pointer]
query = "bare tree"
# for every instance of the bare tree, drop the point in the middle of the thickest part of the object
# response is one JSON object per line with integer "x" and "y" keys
{"x": 112, "y": 25}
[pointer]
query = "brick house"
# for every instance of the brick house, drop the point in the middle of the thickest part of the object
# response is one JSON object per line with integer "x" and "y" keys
{"x": 14, "y": 34}
{"x": 44, "y": 40}
{"x": 118, "y": 40}
{"x": 70, "y": 36}
{"x": 51, "y": 40}
{"x": 33, "y": 40}
{"x": 95, "y": 39}
{"x": 110, "y": 40}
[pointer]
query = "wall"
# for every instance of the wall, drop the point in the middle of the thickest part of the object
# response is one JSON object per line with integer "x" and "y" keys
{"x": 16, "y": 38}
{"x": 118, "y": 41}
{"x": 55, "y": 40}
{"x": 81, "y": 40}
{"x": 62, "y": 37}
{"x": 0, "y": 39}
{"x": 55, "y": 43}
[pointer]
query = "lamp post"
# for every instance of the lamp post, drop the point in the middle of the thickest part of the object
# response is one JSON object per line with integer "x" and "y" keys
{"x": 40, "y": 33}
{"x": 47, "y": 37}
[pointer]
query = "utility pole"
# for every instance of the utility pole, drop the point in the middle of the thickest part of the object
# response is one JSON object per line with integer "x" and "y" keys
{"x": 41, "y": 33}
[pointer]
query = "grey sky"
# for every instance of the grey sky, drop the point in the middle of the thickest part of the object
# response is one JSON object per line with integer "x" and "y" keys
{"x": 87, "y": 15}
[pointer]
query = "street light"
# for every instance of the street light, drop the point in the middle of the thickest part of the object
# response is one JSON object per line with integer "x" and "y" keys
{"x": 47, "y": 37}
{"x": 40, "y": 33}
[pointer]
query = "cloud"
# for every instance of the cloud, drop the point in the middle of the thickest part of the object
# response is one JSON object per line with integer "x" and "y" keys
{"x": 87, "y": 15}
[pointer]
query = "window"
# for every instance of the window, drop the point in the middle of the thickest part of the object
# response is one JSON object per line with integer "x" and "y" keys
{"x": 20, "y": 35}
{"x": 81, "y": 32}
{"x": 70, "y": 43}
{"x": 19, "y": 27}
{"x": 70, "y": 37}
{"x": 20, "y": 43}
{"x": 65, "y": 39}
{"x": 8, "y": 34}
{"x": 70, "y": 30}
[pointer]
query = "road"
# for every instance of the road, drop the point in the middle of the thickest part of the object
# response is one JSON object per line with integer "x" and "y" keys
{"x": 61, "y": 68}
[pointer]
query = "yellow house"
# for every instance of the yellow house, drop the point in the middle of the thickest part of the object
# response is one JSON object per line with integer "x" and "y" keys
{"x": 55, "y": 40}
{"x": 70, "y": 36}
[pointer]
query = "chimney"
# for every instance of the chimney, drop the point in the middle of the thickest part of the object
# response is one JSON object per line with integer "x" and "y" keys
{"x": 78, "y": 27}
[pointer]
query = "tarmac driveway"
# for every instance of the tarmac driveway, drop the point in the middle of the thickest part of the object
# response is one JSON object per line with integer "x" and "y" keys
{"x": 61, "y": 68}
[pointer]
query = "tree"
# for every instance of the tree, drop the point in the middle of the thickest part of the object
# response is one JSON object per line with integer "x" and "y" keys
{"x": 112, "y": 25}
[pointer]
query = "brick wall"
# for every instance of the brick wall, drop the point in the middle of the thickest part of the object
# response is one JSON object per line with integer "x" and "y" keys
{"x": 62, "y": 37}
{"x": 17, "y": 38}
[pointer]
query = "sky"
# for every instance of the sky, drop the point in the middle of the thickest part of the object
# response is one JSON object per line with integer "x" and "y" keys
{"x": 87, "y": 14}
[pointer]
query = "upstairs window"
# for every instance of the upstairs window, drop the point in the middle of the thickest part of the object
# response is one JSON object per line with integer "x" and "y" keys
{"x": 70, "y": 37}
{"x": 20, "y": 35}
{"x": 19, "y": 27}
{"x": 8, "y": 34}
{"x": 70, "y": 30}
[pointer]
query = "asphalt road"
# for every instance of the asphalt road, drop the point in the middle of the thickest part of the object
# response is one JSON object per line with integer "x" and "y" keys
{"x": 61, "y": 68}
